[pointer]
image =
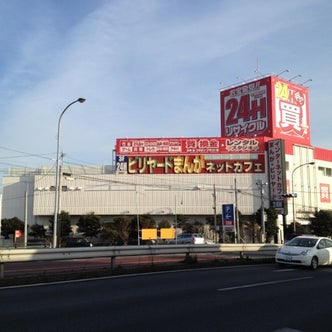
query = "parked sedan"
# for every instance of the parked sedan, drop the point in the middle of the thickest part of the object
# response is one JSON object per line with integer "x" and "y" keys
{"x": 188, "y": 238}
{"x": 77, "y": 242}
{"x": 306, "y": 250}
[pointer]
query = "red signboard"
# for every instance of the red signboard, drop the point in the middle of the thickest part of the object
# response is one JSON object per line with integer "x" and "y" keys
{"x": 277, "y": 174}
{"x": 246, "y": 109}
{"x": 193, "y": 165}
{"x": 291, "y": 111}
{"x": 188, "y": 146}
{"x": 269, "y": 106}
{"x": 324, "y": 189}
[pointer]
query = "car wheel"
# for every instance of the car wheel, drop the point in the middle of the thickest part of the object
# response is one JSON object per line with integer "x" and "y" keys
{"x": 314, "y": 263}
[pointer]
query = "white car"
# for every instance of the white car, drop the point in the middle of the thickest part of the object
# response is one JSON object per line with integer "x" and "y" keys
{"x": 188, "y": 238}
{"x": 306, "y": 250}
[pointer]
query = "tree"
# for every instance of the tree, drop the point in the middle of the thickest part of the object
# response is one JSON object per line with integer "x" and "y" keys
{"x": 210, "y": 221}
{"x": 271, "y": 227}
{"x": 164, "y": 224}
{"x": 90, "y": 225}
{"x": 147, "y": 221}
{"x": 321, "y": 225}
{"x": 116, "y": 232}
{"x": 289, "y": 231}
{"x": 37, "y": 231}
{"x": 64, "y": 226}
{"x": 8, "y": 226}
{"x": 143, "y": 221}
{"x": 195, "y": 227}
{"x": 181, "y": 220}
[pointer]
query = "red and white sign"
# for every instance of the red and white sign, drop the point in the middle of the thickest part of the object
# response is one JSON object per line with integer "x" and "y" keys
{"x": 324, "y": 190}
{"x": 270, "y": 107}
{"x": 188, "y": 146}
{"x": 291, "y": 111}
{"x": 277, "y": 185}
{"x": 246, "y": 109}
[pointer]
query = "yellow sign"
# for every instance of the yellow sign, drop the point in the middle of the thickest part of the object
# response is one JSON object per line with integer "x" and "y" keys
{"x": 167, "y": 233}
{"x": 152, "y": 233}
{"x": 149, "y": 234}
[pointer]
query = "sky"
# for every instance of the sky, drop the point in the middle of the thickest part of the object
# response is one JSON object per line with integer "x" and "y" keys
{"x": 147, "y": 68}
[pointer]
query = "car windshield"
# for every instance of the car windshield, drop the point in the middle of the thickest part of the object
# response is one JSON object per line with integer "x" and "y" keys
{"x": 302, "y": 242}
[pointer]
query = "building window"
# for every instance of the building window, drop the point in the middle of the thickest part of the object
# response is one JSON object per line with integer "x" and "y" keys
{"x": 324, "y": 171}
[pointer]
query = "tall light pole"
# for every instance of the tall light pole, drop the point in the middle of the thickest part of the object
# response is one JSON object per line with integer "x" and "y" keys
{"x": 57, "y": 173}
{"x": 293, "y": 195}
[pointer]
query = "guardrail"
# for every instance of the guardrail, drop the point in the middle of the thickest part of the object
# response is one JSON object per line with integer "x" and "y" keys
{"x": 27, "y": 255}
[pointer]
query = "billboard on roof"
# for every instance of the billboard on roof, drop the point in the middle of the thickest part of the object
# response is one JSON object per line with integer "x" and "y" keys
{"x": 188, "y": 146}
{"x": 198, "y": 164}
{"x": 246, "y": 109}
{"x": 193, "y": 155}
{"x": 269, "y": 106}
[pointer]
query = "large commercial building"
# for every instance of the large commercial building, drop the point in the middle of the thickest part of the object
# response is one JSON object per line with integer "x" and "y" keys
{"x": 263, "y": 153}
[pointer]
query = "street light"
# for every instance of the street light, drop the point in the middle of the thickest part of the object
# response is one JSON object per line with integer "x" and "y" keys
{"x": 293, "y": 195}
{"x": 57, "y": 173}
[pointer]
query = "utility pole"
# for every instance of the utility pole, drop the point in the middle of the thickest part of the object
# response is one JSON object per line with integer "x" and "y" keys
{"x": 261, "y": 184}
{"x": 237, "y": 222}
{"x": 214, "y": 212}
{"x": 26, "y": 216}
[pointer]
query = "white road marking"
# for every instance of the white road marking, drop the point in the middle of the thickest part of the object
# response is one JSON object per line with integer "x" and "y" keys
{"x": 262, "y": 284}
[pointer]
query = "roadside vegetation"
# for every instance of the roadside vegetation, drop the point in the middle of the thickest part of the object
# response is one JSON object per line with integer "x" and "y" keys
{"x": 123, "y": 230}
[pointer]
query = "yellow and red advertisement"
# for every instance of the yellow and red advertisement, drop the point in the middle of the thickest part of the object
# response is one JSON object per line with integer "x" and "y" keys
{"x": 198, "y": 164}
{"x": 193, "y": 155}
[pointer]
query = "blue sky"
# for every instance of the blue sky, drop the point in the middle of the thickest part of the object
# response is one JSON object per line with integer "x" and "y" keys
{"x": 147, "y": 68}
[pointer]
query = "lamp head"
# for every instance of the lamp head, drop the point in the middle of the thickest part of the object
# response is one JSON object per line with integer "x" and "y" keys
{"x": 312, "y": 163}
{"x": 81, "y": 100}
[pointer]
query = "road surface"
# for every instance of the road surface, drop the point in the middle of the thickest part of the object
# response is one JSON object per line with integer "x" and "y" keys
{"x": 243, "y": 298}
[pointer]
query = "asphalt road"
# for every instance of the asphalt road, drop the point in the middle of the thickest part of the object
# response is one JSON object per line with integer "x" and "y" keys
{"x": 244, "y": 298}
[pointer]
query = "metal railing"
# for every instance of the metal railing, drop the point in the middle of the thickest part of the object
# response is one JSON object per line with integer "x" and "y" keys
{"x": 29, "y": 255}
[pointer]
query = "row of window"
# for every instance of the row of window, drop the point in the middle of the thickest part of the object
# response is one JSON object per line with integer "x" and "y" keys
{"x": 325, "y": 171}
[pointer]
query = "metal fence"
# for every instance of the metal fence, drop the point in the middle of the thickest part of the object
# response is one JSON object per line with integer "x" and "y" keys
{"x": 29, "y": 255}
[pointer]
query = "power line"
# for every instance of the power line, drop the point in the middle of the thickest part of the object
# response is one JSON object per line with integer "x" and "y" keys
{"x": 25, "y": 154}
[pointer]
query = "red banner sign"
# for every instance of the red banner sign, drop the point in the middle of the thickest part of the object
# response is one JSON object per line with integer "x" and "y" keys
{"x": 188, "y": 146}
{"x": 324, "y": 190}
{"x": 246, "y": 109}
